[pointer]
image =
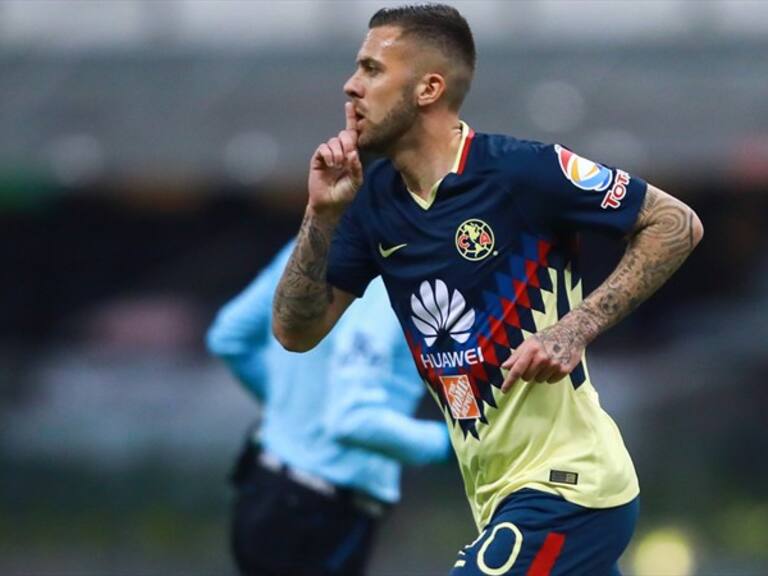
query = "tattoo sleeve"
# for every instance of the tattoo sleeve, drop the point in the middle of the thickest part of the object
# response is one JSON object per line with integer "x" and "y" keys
{"x": 302, "y": 296}
{"x": 665, "y": 234}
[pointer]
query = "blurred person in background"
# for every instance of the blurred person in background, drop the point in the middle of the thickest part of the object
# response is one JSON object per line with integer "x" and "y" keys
{"x": 315, "y": 479}
{"x": 474, "y": 236}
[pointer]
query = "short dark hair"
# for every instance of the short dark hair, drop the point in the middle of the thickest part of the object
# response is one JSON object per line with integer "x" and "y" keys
{"x": 444, "y": 28}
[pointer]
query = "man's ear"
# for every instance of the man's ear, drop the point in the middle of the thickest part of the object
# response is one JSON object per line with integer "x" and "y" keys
{"x": 430, "y": 89}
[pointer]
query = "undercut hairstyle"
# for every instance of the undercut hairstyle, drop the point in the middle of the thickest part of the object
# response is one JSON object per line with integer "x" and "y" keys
{"x": 446, "y": 30}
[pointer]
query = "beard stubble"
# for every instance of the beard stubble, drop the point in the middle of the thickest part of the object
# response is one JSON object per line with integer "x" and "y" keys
{"x": 383, "y": 136}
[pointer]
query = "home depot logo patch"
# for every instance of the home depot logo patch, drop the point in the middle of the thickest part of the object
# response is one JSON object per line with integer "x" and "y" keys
{"x": 458, "y": 393}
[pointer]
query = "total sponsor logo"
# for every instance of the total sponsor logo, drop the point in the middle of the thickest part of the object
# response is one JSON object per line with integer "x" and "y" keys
{"x": 616, "y": 194}
{"x": 437, "y": 311}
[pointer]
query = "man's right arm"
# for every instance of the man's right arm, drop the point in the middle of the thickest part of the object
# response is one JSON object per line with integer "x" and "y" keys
{"x": 306, "y": 307}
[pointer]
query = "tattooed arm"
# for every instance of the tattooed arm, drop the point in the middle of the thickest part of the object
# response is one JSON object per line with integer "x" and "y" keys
{"x": 665, "y": 233}
{"x": 306, "y": 307}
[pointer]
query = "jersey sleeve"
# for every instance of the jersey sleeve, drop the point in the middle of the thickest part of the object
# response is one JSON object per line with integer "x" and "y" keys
{"x": 350, "y": 264}
{"x": 564, "y": 190}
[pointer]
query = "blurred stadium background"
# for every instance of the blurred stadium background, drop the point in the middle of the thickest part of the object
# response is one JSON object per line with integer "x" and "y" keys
{"x": 153, "y": 156}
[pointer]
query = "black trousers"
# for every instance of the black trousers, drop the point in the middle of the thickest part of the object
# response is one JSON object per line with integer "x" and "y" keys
{"x": 282, "y": 528}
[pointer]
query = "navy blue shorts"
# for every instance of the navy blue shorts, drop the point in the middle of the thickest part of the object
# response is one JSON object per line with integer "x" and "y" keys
{"x": 533, "y": 533}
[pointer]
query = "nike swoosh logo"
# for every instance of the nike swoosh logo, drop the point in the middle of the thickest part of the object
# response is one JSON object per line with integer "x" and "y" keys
{"x": 386, "y": 253}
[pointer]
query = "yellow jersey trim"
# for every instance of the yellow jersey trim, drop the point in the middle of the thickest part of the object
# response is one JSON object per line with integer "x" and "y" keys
{"x": 426, "y": 204}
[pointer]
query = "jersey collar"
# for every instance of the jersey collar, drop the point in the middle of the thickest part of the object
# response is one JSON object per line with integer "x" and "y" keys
{"x": 467, "y": 134}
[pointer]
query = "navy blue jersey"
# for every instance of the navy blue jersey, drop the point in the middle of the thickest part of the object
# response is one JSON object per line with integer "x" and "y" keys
{"x": 488, "y": 260}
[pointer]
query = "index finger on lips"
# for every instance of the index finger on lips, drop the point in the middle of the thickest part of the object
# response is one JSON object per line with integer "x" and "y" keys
{"x": 349, "y": 111}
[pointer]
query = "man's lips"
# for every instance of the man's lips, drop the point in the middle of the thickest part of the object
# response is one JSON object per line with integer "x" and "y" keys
{"x": 359, "y": 117}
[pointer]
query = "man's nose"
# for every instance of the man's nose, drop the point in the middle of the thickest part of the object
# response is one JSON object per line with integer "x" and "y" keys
{"x": 353, "y": 88}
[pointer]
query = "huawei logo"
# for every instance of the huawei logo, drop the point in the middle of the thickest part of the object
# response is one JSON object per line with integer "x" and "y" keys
{"x": 434, "y": 310}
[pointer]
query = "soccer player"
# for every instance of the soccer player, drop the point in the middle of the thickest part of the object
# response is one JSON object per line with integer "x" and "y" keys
{"x": 313, "y": 482}
{"x": 474, "y": 236}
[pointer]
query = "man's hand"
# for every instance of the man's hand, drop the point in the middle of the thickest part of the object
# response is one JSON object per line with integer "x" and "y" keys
{"x": 305, "y": 306}
{"x": 548, "y": 356}
{"x": 665, "y": 233}
{"x": 335, "y": 171}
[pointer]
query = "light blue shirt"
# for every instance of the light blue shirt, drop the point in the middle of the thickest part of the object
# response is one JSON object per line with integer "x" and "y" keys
{"x": 342, "y": 411}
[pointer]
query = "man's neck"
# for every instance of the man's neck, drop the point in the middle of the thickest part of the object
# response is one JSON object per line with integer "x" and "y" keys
{"x": 426, "y": 156}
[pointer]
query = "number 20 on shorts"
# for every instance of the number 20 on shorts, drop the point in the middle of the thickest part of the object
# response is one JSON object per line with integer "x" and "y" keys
{"x": 481, "y": 560}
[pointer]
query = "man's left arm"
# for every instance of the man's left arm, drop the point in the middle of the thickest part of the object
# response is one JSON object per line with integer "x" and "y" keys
{"x": 665, "y": 233}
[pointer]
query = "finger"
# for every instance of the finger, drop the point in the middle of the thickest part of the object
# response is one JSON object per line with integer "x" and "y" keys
{"x": 348, "y": 143}
{"x": 556, "y": 376}
{"x": 530, "y": 374}
{"x": 351, "y": 117}
{"x": 355, "y": 167}
{"x": 535, "y": 367}
{"x": 546, "y": 373}
{"x": 526, "y": 347}
{"x": 507, "y": 384}
{"x": 520, "y": 365}
{"x": 511, "y": 359}
{"x": 562, "y": 370}
{"x": 324, "y": 153}
{"x": 338, "y": 153}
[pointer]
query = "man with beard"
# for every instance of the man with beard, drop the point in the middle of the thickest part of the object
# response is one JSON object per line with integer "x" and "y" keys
{"x": 474, "y": 236}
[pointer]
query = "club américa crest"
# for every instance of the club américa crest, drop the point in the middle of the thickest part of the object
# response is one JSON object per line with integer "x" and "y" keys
{"x": 474, "y": 239}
